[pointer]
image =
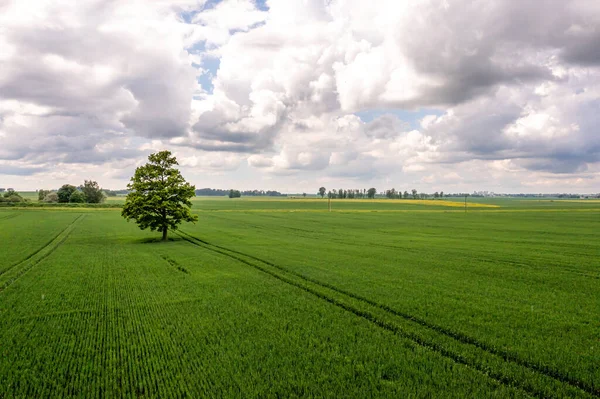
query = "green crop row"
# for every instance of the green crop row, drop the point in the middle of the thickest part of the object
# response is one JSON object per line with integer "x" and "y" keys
{"x": 300, "y": 304}
{"x": 104, "y": 315}
{"x": 521, "y": 284}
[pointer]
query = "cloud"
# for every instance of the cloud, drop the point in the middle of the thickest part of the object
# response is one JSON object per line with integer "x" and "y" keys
{"x": 99, "y": 71}
{"x": 217, "y": 24}
{"x": 19, "y": 171}
{"x": 554, "y": 129}
{"x": 513, "y": 88}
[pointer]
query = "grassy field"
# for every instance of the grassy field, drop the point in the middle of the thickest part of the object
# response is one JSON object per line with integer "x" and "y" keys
{"x": 281, "y": 298}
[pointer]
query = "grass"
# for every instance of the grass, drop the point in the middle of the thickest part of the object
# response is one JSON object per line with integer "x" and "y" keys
{"x": 278, "y": 297}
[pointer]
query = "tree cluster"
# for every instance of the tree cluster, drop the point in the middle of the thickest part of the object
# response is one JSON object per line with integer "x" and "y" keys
{"x": 89, "y": 192}
{"x": 12, "y": 196}
{"x": 234, "y": 193}
{"x": 347, "y": 193}
{"x": 372, "y": 192}
{"x": 414, "y": 194}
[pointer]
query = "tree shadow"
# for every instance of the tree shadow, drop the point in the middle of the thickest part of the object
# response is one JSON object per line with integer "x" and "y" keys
{"x": 157, "y": 240}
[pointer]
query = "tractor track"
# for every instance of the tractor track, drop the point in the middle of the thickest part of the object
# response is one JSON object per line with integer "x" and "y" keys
{"x": 31, "y": 255}
{"x": 9, "y": 216}
{"x": 31, "y": 261}
{"x": 457, "y": 336}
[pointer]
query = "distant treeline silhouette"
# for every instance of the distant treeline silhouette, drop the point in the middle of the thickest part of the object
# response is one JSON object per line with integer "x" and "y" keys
{"x": 216, "y": 192}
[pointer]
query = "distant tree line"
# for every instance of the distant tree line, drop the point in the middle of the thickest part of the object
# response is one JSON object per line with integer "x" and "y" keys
{"x": 372, "y": 193}
{"x": 89, "y": 192}
{"x": 347, "y": 193}
{"x": 215, "y": 192}
{"x": 414, "y": 194}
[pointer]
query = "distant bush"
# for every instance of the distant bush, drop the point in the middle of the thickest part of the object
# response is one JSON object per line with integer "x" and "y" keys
{"x": 64, "y": 193}
{"x": 11, "y": 196}
{"x": 50, "y": 198}
{"x": 42, "y": 194}
{"x": 77, "y": 197}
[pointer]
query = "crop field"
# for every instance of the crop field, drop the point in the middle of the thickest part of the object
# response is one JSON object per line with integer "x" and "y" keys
{"x": 282, "y": 298}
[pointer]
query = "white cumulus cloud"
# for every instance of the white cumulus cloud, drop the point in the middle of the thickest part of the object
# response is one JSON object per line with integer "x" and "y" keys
{"x": 301, "y": 91}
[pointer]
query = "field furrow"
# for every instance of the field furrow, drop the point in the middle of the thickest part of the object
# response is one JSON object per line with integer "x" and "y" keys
{"x": 11, "y": 274}
{"x": 5, "y": 217}
{"x": 475, "y": 359}
{"x": 517, "y": 299}
{"x": 281, "y": 298}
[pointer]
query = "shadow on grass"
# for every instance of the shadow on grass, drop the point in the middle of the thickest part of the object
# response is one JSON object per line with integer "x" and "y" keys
{"x": 157, "y": 240}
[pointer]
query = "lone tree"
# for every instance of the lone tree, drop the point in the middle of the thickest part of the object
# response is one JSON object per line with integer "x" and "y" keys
{"x": 159, "y": 196}
{"x": 322, "y": 192}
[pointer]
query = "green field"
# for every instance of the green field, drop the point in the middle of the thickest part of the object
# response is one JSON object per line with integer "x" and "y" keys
{"x": 281, "y": 298}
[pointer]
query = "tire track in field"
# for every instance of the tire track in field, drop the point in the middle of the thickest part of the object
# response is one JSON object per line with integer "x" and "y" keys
{"x": 325, "y": 236}
{"x": 10, "y": 216}
{"x": 28, "y": 263}
{"x": 316, "y": 235}
{"x": 173, "y": 263}
{"x": 456, "y": 336}
{"x": 49, "y": 242}
{"x": 501, "y": 379}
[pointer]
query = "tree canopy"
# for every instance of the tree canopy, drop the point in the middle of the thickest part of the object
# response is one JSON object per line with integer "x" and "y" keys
{"x": 11, "y": 196}
{"x": 234, "y": 193}
{"x": 92, "y": 192}
{"x": 77, "y": 197}
{"x": 42, "y": 194}
{"x": 51, "y": 198}
{"x": 64, "y": 193}
{"x": 160, "y": 197}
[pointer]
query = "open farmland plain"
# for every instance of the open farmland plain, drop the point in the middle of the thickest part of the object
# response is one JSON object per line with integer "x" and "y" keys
{"x": 280, "y": 298}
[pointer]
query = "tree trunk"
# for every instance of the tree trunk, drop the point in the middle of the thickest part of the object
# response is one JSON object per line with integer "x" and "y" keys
{"x": 164, "y": 231}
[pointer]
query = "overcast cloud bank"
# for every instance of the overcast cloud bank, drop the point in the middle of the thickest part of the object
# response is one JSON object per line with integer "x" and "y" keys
{"x": 496, "y": 95}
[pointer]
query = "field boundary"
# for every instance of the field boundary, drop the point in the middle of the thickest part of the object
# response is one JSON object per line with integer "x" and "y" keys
{"x": 435, "y": 332}
{"x": 16, "y": 271}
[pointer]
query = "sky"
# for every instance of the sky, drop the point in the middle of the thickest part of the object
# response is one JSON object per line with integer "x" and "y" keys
{"x": 291, "y": 95}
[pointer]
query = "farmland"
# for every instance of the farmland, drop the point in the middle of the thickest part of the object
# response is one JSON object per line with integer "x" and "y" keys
{"x": 279, "y": 297}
